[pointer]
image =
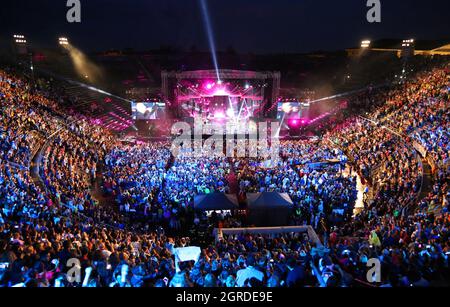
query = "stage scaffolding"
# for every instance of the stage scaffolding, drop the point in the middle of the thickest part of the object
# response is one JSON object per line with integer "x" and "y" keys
{"x": 270, "y": 93}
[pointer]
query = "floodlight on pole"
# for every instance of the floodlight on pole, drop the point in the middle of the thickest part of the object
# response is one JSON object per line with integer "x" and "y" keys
{"x": 407, "y": 42}
{"x": 365, "y": 44}
{"x": 63, "y": 41}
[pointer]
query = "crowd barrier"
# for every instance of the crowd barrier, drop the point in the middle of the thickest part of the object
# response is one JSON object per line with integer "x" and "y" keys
{"x": 220, "y": 232}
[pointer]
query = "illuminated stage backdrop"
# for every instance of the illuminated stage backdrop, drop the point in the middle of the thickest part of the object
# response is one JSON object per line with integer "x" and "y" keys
{"x": 230, "y": 94}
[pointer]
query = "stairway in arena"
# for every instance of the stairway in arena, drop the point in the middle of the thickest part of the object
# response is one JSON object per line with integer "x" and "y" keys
{"x": 106, "y": 111}
{"x": 117, "y": 119}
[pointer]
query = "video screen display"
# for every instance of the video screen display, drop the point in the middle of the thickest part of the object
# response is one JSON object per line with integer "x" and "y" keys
{"x": 148, "y": 110}
{"x": 291, "y": 109}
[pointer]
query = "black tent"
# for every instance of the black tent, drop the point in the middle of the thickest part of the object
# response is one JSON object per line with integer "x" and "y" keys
{"x": 216, "y": 201}
{"x": 269, "y": 208}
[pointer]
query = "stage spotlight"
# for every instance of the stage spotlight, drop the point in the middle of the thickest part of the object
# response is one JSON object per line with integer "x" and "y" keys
{"x": 230, "y": 113}
{"x": 247, "y": 86}
{"x": 298, "y": 122}
{"x": 293, "y": 123}
{"x": 219, "y": 115}
{"x": 209, "y": 32}
{"x": 209, "y": 86}
{"x": 221, "y": 92}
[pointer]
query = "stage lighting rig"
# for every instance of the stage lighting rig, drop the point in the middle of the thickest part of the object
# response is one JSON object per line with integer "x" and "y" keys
{"x": 407, "y": 43}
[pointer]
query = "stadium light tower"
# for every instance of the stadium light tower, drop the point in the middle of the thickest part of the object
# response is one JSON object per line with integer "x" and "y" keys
{"x": 63, "y": 41}
{"x": 408, "y": 48}
{"x": 19, "y": 43}
{"x": 19, "y": 39}
{"x": 365, "y": 44}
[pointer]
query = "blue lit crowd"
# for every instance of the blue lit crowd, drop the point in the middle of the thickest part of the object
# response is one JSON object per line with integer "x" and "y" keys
{"x": 122, "y": 209}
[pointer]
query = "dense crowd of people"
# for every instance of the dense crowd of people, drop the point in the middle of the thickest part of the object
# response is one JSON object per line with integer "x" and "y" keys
{"x": 317, "y": 186}
{"x": 135, "y": 173}
{"x": 52, "y": 216}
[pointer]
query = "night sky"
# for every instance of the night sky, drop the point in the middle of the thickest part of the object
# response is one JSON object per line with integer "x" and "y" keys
{"x": 260, "y": 26}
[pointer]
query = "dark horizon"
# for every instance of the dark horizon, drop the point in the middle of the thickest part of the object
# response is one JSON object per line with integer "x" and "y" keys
{"x": 251, "y": 26}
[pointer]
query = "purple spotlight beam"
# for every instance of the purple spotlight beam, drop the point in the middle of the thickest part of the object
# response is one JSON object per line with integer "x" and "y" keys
{"x": 209, "y": 33}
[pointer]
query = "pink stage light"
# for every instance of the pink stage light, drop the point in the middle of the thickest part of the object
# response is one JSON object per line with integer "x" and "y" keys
{"x": 219, "y": 115}
{"x": 221, "y": 92}
{"x": 298, "y": 122}
{"x": 209, "y": 86}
